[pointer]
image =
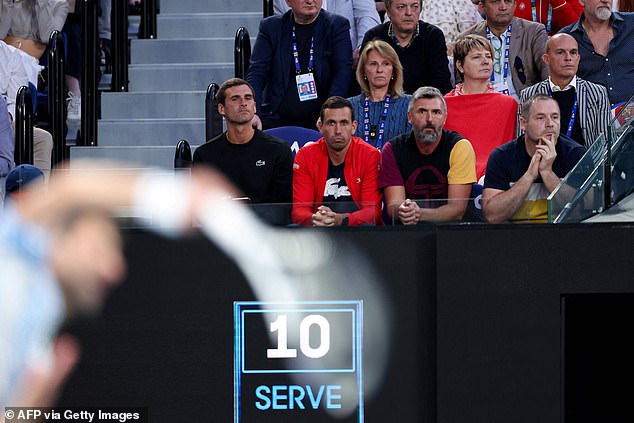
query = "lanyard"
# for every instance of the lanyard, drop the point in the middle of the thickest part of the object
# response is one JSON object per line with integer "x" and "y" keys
{"x": 550, "y": 14}
{"x": 506, "y": 52}
{"x": 366, "y": 122}
{"x": 296, "y": 54}
{"x": 573, "y": 114}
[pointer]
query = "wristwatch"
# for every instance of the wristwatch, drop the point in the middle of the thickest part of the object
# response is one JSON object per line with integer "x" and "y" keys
{"x": 344, "y": 220}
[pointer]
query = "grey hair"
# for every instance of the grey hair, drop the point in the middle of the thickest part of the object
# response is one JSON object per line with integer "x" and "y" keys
{"x": 428, "y": 93}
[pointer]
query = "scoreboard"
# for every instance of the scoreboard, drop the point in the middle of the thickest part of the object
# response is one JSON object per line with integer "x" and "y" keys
{"x": 298, "y": 361}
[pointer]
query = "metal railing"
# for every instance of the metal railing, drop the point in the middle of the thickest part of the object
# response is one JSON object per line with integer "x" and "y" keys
{"x": 119, "y": 24}
{"x": 241, "y": 52}
{"x": 56, "y": 104}
{"x": 148, "y": 19}
{"x": 183, "y": 155}
{"x": 267, "y": 8}
{"x": 89, "y": 93}
{"x": 23, "y": 152}
{"x": 213, "y": 119}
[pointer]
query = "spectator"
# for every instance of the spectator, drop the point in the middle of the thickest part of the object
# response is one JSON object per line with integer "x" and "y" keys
{"x": 518, "y": 46}
{"x": 497, "y": 113}
{"x": 420, "y": 46}
{"x": 429, "y": 163}
{"x": 257, "y": 163}
{"x": 474, "y": 62}
{"x": 383, "y": 104}
{"x": 554, "y": 14}
{"x": 605, "y": 45}
{"x": 19, "y": 178}
{"x": 361, "y": 14}
{"x": 18, "y": 29}
{"x": 323, "y": 62}
{"x": 584, "y": 106}
{"x": 13, "y": 75}
{"x": 452, "y": 16}
{"x": 335, "y": 180}
{"x": 523, "y": 172}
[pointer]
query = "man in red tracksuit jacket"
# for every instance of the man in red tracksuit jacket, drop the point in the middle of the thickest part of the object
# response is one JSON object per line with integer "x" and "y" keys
{"x": 335, "y": 180}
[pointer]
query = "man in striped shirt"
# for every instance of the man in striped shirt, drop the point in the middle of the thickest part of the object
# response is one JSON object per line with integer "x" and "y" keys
{"x": 585, "y": 106}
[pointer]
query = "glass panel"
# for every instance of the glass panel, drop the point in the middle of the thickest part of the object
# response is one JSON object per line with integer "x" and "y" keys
{"x": 581, "y": 193}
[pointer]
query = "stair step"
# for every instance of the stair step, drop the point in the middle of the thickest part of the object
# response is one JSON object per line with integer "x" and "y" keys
{"x": 158, "y": 132}
{"x": 197, "y": 6}
{"x": 196, "y": 50}
{"x": 134, "y": 156}
{"x": 205, "y": 25}
{"x": 177, "y": 77}
{"x": 168, "y": 104}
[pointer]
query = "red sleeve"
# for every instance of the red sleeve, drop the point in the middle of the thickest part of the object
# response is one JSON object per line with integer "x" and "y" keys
{"x": 303, "y": 190}
{"x": 564, "y": 14}
{"x": 370, "y": 200}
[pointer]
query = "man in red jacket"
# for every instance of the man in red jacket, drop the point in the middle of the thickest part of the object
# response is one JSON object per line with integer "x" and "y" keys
{"x": 335, "y": 180}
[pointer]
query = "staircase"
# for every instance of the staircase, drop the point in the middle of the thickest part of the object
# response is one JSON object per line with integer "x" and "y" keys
{"x": 168, "y": 81}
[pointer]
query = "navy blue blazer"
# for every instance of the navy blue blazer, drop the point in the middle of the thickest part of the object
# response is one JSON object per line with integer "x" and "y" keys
{"x": 269, "y": 71}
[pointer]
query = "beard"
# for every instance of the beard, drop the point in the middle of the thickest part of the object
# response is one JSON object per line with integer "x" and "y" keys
{"x": 603, "y": 13}
{"x": 427, "y": 137}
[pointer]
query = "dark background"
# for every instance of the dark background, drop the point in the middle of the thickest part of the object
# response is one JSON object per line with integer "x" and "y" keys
{"x": 491, "y": 324}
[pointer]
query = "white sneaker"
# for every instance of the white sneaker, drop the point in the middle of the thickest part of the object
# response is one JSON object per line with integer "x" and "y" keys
{"x": 73, "y": 107}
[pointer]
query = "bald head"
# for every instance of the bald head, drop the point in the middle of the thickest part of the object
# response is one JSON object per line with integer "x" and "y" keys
{"x": 558, "y": 39}
{"x": 562, "y": 58}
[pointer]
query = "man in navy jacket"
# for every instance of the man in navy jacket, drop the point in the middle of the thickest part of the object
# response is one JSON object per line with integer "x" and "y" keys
{"x": 320, "y": 41}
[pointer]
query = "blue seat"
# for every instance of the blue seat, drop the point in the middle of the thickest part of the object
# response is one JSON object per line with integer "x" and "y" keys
{"x": 295, "y": 136}
{"x": 474, "y": 208}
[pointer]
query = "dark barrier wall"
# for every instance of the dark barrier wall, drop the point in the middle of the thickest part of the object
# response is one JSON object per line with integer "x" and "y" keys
{"x": 477, "y": 333}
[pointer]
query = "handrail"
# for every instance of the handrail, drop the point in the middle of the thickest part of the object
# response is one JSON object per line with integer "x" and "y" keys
{"x": 56, "y": 105}
{"x": 183, "y": 155}
{"x": 89, "y": 93}
{"x": 119, "y": 46}
{"x": 148, "y": 19}
{"x": 241, "y": 52}
{"x": 268, "y": 8}
{"x": 213, "y": 119}
{"x": 23, "y": 152}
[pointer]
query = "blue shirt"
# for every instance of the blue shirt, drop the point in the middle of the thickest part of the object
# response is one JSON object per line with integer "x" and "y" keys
{"x": 32, "y": 303}
{"x": 616, "y": 70}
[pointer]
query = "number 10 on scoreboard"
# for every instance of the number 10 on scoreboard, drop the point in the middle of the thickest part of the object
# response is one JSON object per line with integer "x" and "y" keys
{"x": 298, "y": 362}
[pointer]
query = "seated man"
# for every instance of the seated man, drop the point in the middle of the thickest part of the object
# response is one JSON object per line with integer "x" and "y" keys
{"x": 429, "y": 163}
{"x": 304, "y": 47}
{"x": 605, "y": 46}
{"x": 361, "y": 14}
{"x": 420, "y": 46}
{"x": 339, "y": 169}
{"x": 257, "y": 163}
{"x": 584, "y": 106}
{"x": 522, "y": 173}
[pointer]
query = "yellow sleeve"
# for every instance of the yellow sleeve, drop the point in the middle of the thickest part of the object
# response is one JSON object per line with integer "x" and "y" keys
{"x": 462, "y": 164}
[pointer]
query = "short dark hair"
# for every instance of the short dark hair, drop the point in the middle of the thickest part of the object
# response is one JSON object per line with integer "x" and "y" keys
{"x": 230, "y": 83}
{"x": 335, "y": 102}
{"x": 388, "y": 3}
{"x": 527, "y": 105}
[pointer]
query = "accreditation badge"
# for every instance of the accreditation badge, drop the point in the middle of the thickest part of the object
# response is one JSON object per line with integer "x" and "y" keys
{"x": 306, "y": 87}
{"x": 502, "y": 87}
